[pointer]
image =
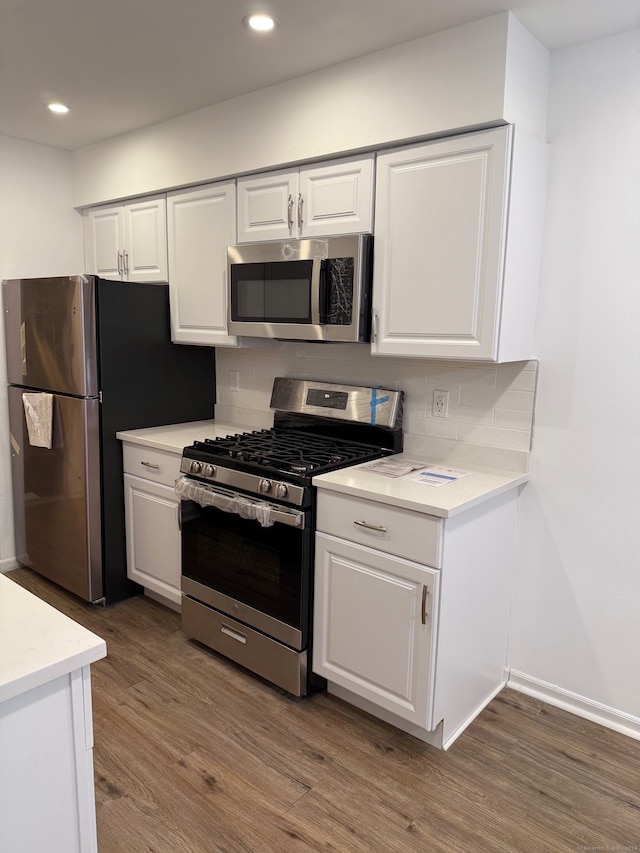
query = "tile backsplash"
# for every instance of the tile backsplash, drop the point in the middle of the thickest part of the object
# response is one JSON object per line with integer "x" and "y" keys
{"x": 489, "y": 405}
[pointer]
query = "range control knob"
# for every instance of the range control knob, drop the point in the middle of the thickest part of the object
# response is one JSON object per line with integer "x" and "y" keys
{"x": 264, "y": 486}
{"x": 209, "y": 470}
{"x": 195, "y": 467}
{"x": 281, "y": 490}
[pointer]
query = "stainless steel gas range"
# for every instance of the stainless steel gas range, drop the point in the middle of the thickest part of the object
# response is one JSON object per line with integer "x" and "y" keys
{"x": 248, "y": 522}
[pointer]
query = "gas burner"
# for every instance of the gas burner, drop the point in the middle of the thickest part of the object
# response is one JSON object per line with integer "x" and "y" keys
{"x": 299, "y": 468}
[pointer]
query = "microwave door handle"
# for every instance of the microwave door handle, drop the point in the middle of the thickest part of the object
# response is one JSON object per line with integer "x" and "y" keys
{"x": 318, "y": 292}
{"x": 323, "y": 292}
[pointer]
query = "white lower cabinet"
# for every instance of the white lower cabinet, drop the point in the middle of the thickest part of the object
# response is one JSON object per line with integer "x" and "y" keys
{"x": 46, "y": 771}
{"x": 411, "y": 610}
{"x": 151, "y": 511}
{"x": 375, "y": 619}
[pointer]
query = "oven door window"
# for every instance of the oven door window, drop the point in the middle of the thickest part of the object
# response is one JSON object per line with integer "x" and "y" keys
{"x": 274, "y": 292}
{"x": 263, "y": 567}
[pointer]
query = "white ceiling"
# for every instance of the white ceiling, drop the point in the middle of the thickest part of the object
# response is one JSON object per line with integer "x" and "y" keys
{"x": 124, "y": 64}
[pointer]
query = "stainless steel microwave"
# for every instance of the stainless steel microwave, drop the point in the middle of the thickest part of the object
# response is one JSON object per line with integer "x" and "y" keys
{"x": 304, "y": 290}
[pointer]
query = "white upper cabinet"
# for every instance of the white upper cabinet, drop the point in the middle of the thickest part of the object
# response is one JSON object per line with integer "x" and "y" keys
{"x": 312, "y": 201}
{"x": 127, "y": 241}
{"x": 201, "y": 224}
{"x": 457, "y": 245}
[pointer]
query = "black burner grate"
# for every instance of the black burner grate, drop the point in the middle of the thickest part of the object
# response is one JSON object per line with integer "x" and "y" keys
{"x": 287, "y": 451}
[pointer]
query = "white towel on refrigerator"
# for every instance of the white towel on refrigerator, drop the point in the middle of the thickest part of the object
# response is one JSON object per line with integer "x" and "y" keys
{"x": 38, "y": 412}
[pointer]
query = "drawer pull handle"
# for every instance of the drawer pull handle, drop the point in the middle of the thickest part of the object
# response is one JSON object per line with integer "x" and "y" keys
{"x": 151, "y": 465}
{"x": 377, "y": 527}
{"x": 425, "y": 592}
{"x": 235, "y": 635}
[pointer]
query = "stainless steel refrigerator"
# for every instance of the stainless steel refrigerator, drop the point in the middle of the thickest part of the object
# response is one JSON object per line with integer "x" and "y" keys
{"x": 98, "y": 353}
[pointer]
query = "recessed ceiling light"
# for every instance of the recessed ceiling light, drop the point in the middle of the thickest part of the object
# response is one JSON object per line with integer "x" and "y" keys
{"x": 58, "y": 108}
{"x": 260, "y": 21}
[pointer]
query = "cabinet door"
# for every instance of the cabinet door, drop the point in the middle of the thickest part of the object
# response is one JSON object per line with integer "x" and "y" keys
{"x": 267, "y": 207}
{"x": 375, "y": 618}
{"x": 145, "y": 242}
{"x": 153, "y": 536}
{"x": 103, "y": 241}
{"x": 201, "y": 224}
{"x": 336, "y": 198}
{"x": 439, "y": 247}
{"x": 46, "y": 773}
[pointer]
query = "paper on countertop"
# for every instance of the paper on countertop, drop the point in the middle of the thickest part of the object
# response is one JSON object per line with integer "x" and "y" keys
{"x": 38, "y": 412}
{"x": 436, "y": 475}
{"x": 389, "y": 467}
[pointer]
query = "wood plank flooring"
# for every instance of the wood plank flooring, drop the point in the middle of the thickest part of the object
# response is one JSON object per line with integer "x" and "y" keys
{"x": 194, "y": 755}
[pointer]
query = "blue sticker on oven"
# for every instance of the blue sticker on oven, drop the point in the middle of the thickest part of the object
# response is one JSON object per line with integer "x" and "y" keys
{"x": 375, "y": 402}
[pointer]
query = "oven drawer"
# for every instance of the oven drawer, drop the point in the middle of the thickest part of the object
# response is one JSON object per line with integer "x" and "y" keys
{"x": 266, "y": 657}
{"x": 160, "y": 466}
{"x": 412, "y": 535}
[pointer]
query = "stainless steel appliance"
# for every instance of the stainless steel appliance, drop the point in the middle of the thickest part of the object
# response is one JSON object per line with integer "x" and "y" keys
{"x": 248, "y": 521}
{"x": 309, "y": 290}
{"x": 99, "y": 354}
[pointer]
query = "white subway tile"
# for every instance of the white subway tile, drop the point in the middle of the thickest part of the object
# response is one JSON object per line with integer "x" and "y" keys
{"x": 457, "y": 375}
{"x": 496, "y": 397}
{"x": 488, "y": 406}
{"x": 439, "y": 428}
{"x": 470, "y": 414}
{"x": 510, "y": 439}
{"x": 516, "y": 379}
{"x": 509, "y": 419}
{"x": 454, "y": 392}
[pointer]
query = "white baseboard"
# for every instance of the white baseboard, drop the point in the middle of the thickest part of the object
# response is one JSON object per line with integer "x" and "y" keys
{"x": 8, "y": 564}
{"x": 605, "y": 716}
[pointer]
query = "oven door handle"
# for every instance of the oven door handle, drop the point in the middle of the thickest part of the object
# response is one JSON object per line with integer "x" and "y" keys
{"x": 226, "y": 500}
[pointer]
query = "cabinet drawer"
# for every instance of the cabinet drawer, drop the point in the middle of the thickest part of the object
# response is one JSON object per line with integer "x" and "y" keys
{"x": 157, "y": 465}
{"x": 402, "y": 532}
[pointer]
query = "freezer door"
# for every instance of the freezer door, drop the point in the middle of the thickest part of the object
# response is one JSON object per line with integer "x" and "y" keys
{"x": 56, "y": 495}
{"x": 50, "y": 328}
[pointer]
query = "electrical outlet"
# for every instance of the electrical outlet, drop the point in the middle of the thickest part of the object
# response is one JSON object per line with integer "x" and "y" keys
{"x": 233, "y": 380}
{"x": 440, "y": 404}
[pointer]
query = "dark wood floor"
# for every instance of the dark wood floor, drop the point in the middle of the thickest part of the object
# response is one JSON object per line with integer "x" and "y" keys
{"x": 194, "y": 755}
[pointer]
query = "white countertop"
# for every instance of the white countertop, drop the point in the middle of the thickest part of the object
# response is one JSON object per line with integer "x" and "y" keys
{"x": 443, "y": 501}
{"x": 175, "y": 437}
{"x": 481, "y": 484}
{"x": 38, "y": 643}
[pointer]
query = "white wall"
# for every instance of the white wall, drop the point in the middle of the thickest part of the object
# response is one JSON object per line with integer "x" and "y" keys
{"x": 40, "y": 235}
{"x": 576, "y": 616}
{"x": 484, "y": 72}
